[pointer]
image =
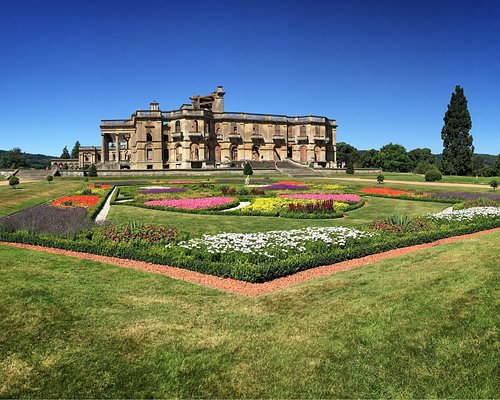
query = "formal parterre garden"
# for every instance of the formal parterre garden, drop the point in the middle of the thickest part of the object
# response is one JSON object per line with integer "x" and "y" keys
{"x": 68, "y": 222}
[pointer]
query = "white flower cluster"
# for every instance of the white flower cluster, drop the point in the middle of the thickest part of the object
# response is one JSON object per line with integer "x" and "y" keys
{"x": 263, "y": 242}
{"x": 467, "y": 213}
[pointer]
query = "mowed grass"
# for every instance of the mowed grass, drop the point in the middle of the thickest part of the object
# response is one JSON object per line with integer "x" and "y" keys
{"x": 423, "y": 325}
{"x": 377, "y": 208}
{"x": 420, "y": 178}
{"x": 32, "y": 193}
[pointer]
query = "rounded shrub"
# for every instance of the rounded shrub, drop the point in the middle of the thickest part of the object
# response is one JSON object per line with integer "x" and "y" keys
{"x": 349, "y": 169}
{"x": 13, "y": 181}
{"x": 50, "y": 178}
{"x": 433, "y": 175}
{"x": 380, "y": 178}
{"x": 247, "y": 169}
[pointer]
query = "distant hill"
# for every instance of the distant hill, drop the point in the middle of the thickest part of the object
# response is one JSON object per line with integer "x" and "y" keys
{"x": 34, "y": 160}
{"x": 489, "y": 159}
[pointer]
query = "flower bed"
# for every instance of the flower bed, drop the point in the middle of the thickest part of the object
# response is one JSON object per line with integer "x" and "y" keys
{"x": 272, "y": 243}
{"x": 138, "y": 233}
{"x": 163, "y": 190}
{"x": 322, "y": 196}
{"x": 98, "y": 186}
{"x": 285, "y": 186}
{"x": 386, "y": 192}
{"x": 291, "y": 183}
{"x": 76, "y": 201}
{"x": 467, "y": 214}
{"x": 281, "y": 206}
{"x": 45, "y": 219}
{"x": 191, "y": 204}
{"x": 464, "y": 196}
{"x": 182, "y": 182}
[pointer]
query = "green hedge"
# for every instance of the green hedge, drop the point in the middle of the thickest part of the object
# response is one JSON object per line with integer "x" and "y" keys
{"x": 94, "y": 211}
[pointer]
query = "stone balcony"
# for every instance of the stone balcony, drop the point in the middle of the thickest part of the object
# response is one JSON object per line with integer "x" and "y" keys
{"x": 302, "y": 138}
{"x": 195, "y": 135}
{"x": 177, "y": 135}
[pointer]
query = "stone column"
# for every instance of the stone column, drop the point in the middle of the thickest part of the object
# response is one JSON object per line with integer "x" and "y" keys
{"x": 104, "y": 148}
{"x": 117, "y": 147}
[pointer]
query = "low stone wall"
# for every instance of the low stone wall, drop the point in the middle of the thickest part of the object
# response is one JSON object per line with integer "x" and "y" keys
{"x": 167, "y": 172}
{"x": 7, "y": 172}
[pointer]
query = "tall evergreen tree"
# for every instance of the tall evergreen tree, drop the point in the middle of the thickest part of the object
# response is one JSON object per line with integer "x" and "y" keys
{"x": 76, "y": 148}
{"x": 65, "y": 153}
{"x": 457, "y": 142}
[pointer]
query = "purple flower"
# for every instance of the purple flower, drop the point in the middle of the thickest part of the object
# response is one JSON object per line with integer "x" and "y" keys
{"x": 464, "y": 196}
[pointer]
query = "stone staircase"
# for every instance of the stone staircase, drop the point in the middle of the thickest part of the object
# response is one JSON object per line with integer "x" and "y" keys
{"x": 297, "y": 170}
{"x": 33, "y": 174}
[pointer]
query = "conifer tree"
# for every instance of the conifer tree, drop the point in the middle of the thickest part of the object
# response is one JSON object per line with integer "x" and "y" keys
{"x": 76, "y": 148}
{"x": 65, "y": 153}
{"x": 457, "y": 142}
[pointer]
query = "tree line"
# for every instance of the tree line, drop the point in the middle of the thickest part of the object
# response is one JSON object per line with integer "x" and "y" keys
{"x": 457, "y": 158}
{"x": 16, "y": 158}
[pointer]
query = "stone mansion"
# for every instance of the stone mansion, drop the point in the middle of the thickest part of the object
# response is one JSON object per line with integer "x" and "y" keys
{"x": 203, "y": 135}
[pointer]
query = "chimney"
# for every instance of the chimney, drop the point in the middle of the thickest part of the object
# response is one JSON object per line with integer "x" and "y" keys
{"x": 154, "y": 106}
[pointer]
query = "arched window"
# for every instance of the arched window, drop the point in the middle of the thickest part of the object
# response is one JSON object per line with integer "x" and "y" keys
{"x": 217, "y": 128}
{"x": 194, "y": 126}
{"x": 302, "y": 130}
{"x": 317, "y": 130}
{"x": 234, "y": 128}
{"x": 276, "y": 153}
{"x": 255, "y": 153}
{"x": 177, "y": 126}
{"x": 234, "y": 153}
{"x": 149, "y": 137}
{"x": 217, "y": 154}
{"x": 303, "y": 154}
{"x": 277, "y": 129}
{"x": 317, "y": 153}
{"x": 178, "y": 152}
{"x": 195, "y": 152}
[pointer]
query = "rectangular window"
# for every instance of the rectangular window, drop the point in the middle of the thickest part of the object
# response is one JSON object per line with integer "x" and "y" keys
{"x": 149, "y": 154}
{"x": 149, "y": 166}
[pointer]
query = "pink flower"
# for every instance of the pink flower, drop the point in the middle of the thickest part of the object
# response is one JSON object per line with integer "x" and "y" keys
{"x": 321, "y": 196}
{"x": 204, "y": 202}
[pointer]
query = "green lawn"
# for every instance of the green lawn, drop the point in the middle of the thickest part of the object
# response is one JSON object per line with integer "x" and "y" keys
{"x": 32, "y": 193}
{"x": 377, "y": 208}
{"x": 423, "y": 325}
{"x": 396, "y": 176}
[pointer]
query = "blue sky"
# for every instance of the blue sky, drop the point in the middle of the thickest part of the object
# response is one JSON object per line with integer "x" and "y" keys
{"x": 385, "y": 70}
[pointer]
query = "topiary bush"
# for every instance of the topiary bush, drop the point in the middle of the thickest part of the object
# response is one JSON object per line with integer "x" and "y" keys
{"x": 494, "y": 184}
{"x": 13, "y": 181}
{"x": 247, "y": 169}
{"x": 349, "y": 169}
{"x": 380, "y": 178}
{"x": 433, "y": 175}
{"x": 50, "y": 178}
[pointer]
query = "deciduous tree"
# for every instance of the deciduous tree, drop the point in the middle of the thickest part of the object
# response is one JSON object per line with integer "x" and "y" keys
{"x": 393, "y": 158}
{"x": 14, "y": 158}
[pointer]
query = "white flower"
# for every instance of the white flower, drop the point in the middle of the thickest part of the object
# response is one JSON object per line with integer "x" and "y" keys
{"x": 466, "y": 214}
{"x": 278, "y": 241}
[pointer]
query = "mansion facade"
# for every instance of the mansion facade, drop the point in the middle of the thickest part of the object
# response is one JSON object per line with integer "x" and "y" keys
{"x": 203, "y": 135}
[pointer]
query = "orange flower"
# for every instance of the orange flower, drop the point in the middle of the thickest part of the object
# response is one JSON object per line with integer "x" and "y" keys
{"x": 76, "y": 201}
{"x": 290, "y": 183}
{"x": 386, "y": 191}
{"x": 99, "y": 187}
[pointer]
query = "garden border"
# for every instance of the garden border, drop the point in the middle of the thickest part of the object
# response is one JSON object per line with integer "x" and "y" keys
{"x": 246, "y": 288}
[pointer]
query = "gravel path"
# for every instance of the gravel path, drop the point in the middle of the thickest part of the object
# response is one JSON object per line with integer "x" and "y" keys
{"x": 245, "y": 288}
{"x": 103, "y": 214}
{"x": 241, "y": 205}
